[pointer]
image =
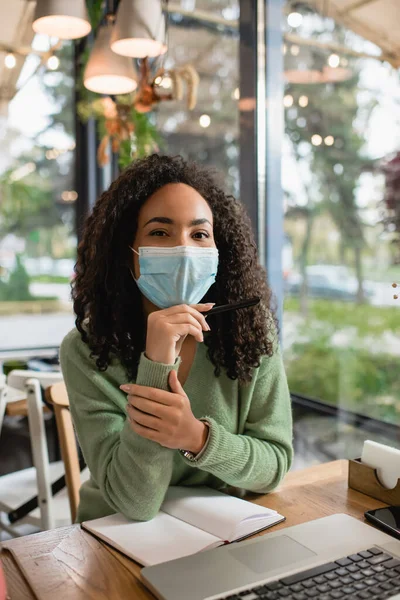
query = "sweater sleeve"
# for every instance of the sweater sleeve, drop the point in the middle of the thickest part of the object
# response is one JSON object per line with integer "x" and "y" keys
{"x": 259, "y": 458}
{"x": 132, "y": 473}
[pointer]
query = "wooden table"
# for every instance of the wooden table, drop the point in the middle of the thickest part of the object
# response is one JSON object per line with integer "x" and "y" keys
{"x": 70, "y": 564}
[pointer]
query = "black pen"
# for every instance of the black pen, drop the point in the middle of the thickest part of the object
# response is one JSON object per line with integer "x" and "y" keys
{"x": 234, "y": 306}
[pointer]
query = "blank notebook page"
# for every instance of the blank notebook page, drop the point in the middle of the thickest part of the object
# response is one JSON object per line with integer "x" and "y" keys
{"x": 151, "y": 542}
{"x": 213, "y": 511}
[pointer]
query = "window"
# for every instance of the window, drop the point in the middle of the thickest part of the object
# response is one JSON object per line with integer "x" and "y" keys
{"x": 208, "y": 39}
{"x": 37, "y": 202}
{"x": 341, "y": 323}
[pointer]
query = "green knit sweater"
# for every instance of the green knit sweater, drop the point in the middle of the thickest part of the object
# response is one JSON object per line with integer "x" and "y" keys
{"x": 249, "y": 445}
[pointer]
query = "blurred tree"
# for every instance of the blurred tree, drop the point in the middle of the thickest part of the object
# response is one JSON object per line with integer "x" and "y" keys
{"x": 59, "y": 87}
{"x": 24, "y": 204}
{"x": 336, "y": 160}
{"x": 18, "y": 284}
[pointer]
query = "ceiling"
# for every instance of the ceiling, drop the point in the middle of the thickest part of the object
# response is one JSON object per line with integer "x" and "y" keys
{"x": 15, "y": 32}
{"x": 375, "y": 20}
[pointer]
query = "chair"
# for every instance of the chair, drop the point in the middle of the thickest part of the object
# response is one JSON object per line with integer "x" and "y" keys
{"x": 58, "y": 397}
{"x": 18, "y": 490}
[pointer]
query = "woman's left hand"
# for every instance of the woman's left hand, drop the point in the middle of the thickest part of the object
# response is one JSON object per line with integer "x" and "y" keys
{"x": 165, "y": 417}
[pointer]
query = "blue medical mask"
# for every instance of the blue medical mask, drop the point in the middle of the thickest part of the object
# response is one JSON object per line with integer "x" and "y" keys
{"x": 178, "y": 275}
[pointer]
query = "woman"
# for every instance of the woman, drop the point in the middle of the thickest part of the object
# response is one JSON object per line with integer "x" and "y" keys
{"x": 161, "y": 395}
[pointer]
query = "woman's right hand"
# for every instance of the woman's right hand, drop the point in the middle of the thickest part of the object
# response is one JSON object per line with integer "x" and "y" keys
{"x": 168, "y": 328}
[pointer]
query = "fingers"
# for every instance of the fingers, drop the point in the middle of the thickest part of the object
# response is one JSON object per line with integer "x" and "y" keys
{"x": 143, "y": 419}
{"x": 188, "y": 329}
{"x": 149, "y": 407}
{"x": 145, "y": 432}
{"x": 200, "y": 318}
{"x": 185, "y": 309}
{"x": 149, "y": 393}
{"x": 203, "y": 307}
{"x": 187, "y": 320}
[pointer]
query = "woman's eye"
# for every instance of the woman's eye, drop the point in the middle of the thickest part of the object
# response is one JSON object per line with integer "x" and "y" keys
{"x": 158, "y": 233}
{"x": 201, "y": 235}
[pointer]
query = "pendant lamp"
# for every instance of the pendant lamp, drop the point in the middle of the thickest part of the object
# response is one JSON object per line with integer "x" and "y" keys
{"x": 63, "y": 19}
{"x": 107, "y": 72}
{"x": 139, "y": 29}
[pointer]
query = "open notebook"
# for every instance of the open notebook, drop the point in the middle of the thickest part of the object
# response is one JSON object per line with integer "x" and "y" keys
{"x": 191, "y": 519}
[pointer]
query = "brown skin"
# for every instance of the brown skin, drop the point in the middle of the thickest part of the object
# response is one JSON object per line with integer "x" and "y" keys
{"x": 166, "y": 417}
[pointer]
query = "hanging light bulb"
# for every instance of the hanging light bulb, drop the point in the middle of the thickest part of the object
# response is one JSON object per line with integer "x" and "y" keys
{"x": 166, "y": 83}
{"x": 334, "y": 61}
{"x": 139, "y": 29}
{"x": 316, "y": 140}
{"x": 329, "y": 140}
{"x": 295, "y": 19}
{"x": 288, "y": 101}
{"x": 107, "y": 72}
{"x": 204, "y": 121}
{"x": 64, "y": 19}
{"x": 10, "y": 61}
{"x": 53, "y": 62}
{"x": 303, "y": 101}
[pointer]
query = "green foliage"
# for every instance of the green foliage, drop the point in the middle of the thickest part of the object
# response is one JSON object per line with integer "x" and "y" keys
{"x": 367, "y": 320}
{"x": 341, "y": 111}
{"x": 23, "y": 204}
{"x": 50, "y": 279}
{"x": 17, "y": 287}
{"x": 145, "y": 139}
{"x": 91, "y": 110}
{"x": 95, "y": 11}
{"x": 60, "y": 86}
{"x": 356, "y": 380}
{"x": 358, "y": 376}
{"x": 313, "y": 370}
{"x": 332, "y": 110}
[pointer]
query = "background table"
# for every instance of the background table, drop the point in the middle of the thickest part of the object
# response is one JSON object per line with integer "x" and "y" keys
{"x": 70, "y": 564}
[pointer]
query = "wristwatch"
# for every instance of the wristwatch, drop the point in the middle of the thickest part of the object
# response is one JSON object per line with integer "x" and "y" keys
{"x": 191, "y": 455}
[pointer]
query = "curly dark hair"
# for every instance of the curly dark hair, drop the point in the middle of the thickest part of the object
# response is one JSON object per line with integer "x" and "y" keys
{"x": 107, "y": 301}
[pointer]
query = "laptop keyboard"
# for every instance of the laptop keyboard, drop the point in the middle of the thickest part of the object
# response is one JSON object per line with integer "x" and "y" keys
{"x": 371, "y": 574}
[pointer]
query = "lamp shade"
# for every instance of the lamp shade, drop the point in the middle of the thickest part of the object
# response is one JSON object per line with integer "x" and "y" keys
{"x": 106, "y": 72}
{"x": 139, "y": 29}
{"x": 64, "y": 19}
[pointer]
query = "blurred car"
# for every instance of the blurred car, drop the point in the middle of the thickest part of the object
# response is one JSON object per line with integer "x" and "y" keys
{"x": 327, "y": 281}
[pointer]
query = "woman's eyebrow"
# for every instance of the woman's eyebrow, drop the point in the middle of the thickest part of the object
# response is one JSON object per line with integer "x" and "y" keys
{"x": 168, "y": 221}
{"x": 199, "y": 222}
{"x": 164, "y": 220}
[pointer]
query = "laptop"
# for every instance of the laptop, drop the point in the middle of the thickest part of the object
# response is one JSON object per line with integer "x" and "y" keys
{"x": 333, "y": 557}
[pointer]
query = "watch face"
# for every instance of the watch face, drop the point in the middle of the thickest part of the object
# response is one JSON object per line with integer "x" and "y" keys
{"x": 187, "y": 454}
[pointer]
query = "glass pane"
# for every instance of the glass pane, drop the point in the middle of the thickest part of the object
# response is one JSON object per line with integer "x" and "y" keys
{"x": 208, "y": 40}
{"x": 341, "y": 322}
{"x": 37, "y": 201}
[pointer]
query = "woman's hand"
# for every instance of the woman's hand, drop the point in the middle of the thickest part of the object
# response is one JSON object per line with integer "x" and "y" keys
{"x": 165, "y": 417}
{"x": 168, "y": 328}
